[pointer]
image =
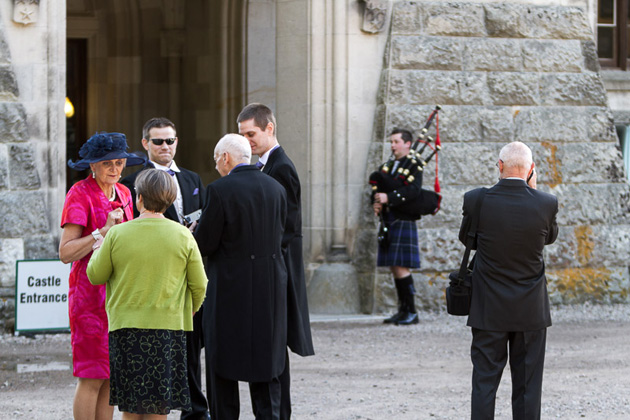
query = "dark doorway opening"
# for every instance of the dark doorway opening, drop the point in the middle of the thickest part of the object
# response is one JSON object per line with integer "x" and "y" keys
{"x": 76, "y": 92}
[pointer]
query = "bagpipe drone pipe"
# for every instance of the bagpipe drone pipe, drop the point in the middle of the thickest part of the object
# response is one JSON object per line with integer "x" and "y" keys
{"x": 410, "y": 170}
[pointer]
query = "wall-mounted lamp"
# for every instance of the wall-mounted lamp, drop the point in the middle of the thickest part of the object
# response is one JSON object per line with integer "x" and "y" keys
{"x": 68, "y": 108}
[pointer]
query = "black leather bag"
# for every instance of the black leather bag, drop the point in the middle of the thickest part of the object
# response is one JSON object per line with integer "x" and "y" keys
{"x": 459, "y": 291}
{"x": 430, "y": 202}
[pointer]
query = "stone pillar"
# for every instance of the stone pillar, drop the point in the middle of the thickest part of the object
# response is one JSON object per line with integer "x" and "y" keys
{"x": 342, "y": 65}
{"x": 261, "y": 52}
{"x": 340, "y": 135}
{"x": 32, "y": 141}
{"x": 334, "y": 287}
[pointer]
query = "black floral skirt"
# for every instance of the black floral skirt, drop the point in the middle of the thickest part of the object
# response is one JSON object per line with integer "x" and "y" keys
{"x": 148, "y": 371}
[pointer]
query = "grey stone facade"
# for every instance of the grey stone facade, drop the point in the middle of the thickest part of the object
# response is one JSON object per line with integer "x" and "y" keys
{"x": 505, "y": 72}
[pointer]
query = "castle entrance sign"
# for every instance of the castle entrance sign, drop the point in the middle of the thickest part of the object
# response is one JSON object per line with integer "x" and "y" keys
{"x": 41, "y": 295}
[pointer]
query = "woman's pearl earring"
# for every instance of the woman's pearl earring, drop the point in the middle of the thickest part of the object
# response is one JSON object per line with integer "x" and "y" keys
{"x": 93, "y": 175}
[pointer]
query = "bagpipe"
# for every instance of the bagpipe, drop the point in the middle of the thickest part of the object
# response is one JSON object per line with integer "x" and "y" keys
{"x": 411, "y": 169}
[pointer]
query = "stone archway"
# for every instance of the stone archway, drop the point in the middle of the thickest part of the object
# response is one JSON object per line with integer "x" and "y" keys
{"x": 182, "y": 60}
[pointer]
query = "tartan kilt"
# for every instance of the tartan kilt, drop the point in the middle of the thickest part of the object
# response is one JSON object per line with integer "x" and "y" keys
{"x": 403, "y": 249}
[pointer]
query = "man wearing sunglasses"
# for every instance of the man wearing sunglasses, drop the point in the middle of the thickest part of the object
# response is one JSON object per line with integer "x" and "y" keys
{"x": 159, "y": 139}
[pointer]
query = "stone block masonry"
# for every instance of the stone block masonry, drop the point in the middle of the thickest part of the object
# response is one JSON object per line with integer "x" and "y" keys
{"x": 506, "y": 72}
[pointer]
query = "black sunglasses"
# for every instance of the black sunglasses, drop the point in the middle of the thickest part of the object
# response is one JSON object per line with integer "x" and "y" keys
{"x": 158, "y": 142}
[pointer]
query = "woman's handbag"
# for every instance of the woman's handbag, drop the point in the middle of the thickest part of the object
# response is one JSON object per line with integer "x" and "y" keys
{"x": 459, "y": 291}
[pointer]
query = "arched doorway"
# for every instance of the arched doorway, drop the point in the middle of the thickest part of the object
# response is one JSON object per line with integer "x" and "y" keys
{"x": 184, "y": 60}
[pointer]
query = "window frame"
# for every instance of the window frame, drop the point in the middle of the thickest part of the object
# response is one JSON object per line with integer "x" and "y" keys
{"x": 621, "y": 58}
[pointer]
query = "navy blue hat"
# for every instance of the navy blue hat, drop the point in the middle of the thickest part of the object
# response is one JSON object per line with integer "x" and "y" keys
{"x": 105, "y": 146}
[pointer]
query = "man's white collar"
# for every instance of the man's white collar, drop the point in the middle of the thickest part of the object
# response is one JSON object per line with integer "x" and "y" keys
{"x": 263, "y": 159}
{"x": 173, "y": 166}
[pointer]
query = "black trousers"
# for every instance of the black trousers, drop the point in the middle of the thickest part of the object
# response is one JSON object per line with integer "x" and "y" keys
{"x": 489, "y": 354}
{"x": 226, "y": 401}
{"x": 194, "y": 344}
{"x": 285, "y": 390}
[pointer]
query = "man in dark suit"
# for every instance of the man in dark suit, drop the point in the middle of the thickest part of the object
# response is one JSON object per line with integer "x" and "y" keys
{"x": 240, "y": 231}
{"x": 510, "y": 305}
{"x": 159, "y": 139}
{"x": 257, "y": 123}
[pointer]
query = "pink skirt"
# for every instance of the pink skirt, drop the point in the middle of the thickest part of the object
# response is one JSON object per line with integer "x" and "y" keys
{"x": 88, "y": 326}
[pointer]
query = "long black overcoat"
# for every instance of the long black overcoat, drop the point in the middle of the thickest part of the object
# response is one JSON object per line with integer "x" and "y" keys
{"x": 299, "y": 338}
{"x": 240, "y": 231}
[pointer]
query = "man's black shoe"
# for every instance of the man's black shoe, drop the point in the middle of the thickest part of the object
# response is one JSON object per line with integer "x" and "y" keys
{"x": 408, "y": 318}
{"x": 394, "y": 318}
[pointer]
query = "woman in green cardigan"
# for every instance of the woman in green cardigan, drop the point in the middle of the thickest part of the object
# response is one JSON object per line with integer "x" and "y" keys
{"x": 155, "y": 282}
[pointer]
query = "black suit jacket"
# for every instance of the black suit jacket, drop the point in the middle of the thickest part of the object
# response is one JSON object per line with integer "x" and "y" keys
{"x": 240, "y": 231}
{"x": 299, "y": 339}
{"x": 193, "y": 192}
{"x": 509, "y": 283}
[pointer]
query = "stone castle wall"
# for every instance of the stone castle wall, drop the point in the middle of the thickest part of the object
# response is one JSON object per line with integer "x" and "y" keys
{"x": 505, "y": 72}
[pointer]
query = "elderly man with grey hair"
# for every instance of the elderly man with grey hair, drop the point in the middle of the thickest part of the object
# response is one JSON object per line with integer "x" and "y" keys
{"x": 510, "y": 306}
{"x": 231, "y": 152}
{"x": 240, "y": 231}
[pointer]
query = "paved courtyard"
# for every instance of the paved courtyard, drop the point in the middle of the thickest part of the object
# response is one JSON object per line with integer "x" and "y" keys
{"x": 366, "y": 370}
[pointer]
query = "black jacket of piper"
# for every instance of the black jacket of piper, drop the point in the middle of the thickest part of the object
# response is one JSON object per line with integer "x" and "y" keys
{"x": 403, "y": 193}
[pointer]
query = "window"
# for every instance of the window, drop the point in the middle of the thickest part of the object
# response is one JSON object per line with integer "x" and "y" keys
{"x": 613, "y": 33}
{"x": 623, "y": 132}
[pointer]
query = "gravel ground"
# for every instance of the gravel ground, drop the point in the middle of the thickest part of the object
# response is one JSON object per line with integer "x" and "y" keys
{"x": 366, "y": 370}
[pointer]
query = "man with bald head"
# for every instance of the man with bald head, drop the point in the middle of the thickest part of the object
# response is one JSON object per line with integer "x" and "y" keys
{"x": 241, "y": 232}
{"x": 510, "y": 306}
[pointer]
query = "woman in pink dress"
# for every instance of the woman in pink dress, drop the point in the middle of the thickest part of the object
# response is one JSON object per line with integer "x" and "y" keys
{"x": 92, "y": 207}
